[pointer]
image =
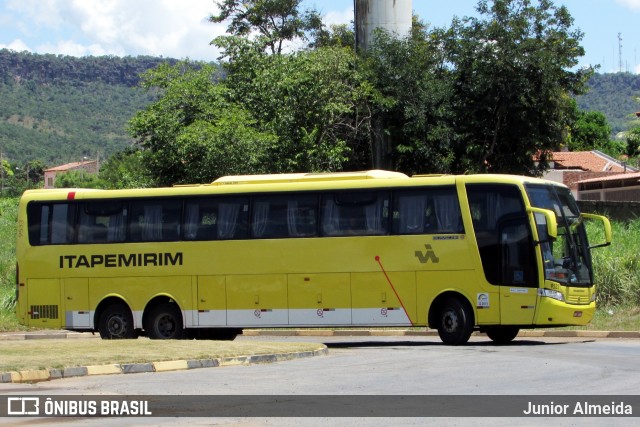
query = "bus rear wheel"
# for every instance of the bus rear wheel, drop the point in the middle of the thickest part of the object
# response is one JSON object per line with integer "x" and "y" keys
{"x": 116, "y": 322}
{"x": 455, "y": 322}
{"x": 164, "y": 322}
{"x": 502, "y": 334}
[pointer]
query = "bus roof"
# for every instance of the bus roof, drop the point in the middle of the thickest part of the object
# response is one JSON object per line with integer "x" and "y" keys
{"x": 307, "y": 177}
{"x": 281, "y": 182}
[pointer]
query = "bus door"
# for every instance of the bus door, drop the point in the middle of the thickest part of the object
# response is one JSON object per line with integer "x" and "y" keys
{"x": 506, "y": 247}
{"x": 518, "y": 292}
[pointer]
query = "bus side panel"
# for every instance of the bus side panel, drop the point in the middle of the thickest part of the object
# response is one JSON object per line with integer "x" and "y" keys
{"x": 257, "y": 300}
{"x": 430, "y": 284}
{"x": 138, "y": 291}
{"x": 76, "y": 304}
{"x": 384, "y": 298}
{"x": 212, "y": 301}
{"x": 319, "y": 299}
{"x": 43, "y": 303}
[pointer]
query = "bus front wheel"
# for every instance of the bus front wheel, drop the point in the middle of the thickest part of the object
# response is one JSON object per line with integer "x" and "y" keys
{"x": 455, "y": 322}
{"x": 165, "y": 322}
{"x": 116, "y": 322}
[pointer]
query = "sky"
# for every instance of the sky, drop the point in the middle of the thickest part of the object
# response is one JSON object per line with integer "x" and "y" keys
{"x": 180, "y": 28}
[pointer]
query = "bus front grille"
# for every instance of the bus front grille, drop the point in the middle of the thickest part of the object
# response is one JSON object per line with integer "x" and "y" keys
{"x": 577, "y": 300}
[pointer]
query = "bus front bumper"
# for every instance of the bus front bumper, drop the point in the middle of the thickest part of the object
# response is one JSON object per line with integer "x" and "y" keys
{"x": 552, "y": 312}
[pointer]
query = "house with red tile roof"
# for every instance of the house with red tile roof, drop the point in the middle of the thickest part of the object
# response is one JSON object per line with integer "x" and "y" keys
{"x": 88, "y": 166}
{"x": 622, "y": 187}
{"x": 570, "y": 167}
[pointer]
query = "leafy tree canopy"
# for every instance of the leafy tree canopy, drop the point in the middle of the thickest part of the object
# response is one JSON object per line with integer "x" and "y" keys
{"x": 276, "y": 21}
{"x": 633, "y": 142}
{"x": 485, "y": 95}
{"x": 512, "y": 70}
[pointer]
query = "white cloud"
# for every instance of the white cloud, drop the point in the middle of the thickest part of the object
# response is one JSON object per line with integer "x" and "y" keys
{"x": 167, "y": 28}
{"x": 631, "y": 4}
{"x": 338, "y": 17}
{"x": 16, "y": 45}
{"x": 71, "y": 48}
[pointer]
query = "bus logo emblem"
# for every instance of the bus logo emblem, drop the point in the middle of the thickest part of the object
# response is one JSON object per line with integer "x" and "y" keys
{"x": 429, "y": 254}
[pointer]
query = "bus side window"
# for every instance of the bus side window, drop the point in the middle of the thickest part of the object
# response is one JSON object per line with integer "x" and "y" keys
{"x": 51, "y": 223}
{"x": 200, "y": 219}
{"x": 233, "y": 218}
{"x": 355, "y": 213}
{"x": 101, "y": 222}
{"x": 282, "y": 216}
{"x": 216, "y": 218}
{"x": 428, "y": 210}
{"x": 155, "y": 220}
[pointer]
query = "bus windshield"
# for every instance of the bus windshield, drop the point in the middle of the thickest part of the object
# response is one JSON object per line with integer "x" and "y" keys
{"x": 567, "y": 259}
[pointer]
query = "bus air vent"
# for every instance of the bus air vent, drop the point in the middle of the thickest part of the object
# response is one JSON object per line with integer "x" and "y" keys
{"x": 44, "y": 311}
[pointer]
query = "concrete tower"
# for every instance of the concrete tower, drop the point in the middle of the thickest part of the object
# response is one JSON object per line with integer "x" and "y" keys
{"x": 395, "y": 16}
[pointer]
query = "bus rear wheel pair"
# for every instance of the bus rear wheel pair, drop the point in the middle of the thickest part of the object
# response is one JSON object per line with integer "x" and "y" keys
{"x": 164, "y": 321}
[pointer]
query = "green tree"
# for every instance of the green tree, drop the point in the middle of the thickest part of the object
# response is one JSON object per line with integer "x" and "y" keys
{"x": 336, "y": 35}
{"x": 127, "y": 169}
{"x": 78, "y": 179}
{"x": 309, "y": 99}
{"x": 633, "y": 142}
{"x": 590, "y": 131}
{"x": 193, "y": 127}
{"x": 276, "y": 21}
{"x": 411, "y": 114}
{"x": 512, "y": 68}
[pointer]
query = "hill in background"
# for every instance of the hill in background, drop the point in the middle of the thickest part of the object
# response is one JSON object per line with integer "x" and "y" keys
{"x": 617, "y": 95}
{"x": 59, "y": 109}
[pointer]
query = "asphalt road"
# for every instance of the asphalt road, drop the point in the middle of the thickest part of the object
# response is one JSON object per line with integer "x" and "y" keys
{"x": 389, "y": 366}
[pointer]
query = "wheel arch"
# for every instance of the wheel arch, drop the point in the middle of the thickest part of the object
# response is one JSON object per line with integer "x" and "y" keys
{"x": 436, "y": 306}
{"x": 109, "y": 301}
{"x": 158, "y": 300}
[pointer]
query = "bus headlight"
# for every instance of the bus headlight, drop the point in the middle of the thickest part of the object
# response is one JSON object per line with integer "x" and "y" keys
{"x": 549, "y": 293}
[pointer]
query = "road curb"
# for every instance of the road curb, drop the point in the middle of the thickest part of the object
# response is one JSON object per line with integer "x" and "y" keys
{"x": 31, "y": 376}
{"x": 434, "y": 333}
{"x": 13, "y": 336}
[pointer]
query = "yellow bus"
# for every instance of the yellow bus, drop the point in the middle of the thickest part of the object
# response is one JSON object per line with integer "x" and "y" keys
{"x": 493, "y": 253}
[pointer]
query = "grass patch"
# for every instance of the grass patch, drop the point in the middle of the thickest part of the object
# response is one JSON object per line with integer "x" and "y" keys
{"x": 67, "y": 353}
{"x": 8, "y": 221}
{"x": 615, "y": 318}
{"x": 617, "y": 267}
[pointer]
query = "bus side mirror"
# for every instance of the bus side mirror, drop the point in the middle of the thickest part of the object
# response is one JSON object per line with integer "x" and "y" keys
{"x": 550, "y": 219}
{"x": 607, "y": 229}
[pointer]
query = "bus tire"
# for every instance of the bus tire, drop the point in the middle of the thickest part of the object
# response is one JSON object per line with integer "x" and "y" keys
{"x": 116, "y": 322}
{"x": 164, "y": 322}
{"x": 502, "y": 334}
{"x": 455, "y": 322}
